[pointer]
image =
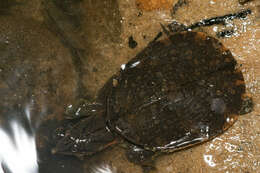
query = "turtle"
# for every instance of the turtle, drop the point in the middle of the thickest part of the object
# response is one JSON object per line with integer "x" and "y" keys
{"x": 177, "y": 92}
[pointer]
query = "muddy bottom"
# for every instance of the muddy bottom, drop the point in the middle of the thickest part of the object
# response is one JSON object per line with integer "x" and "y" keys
{"x": 86, "y": 43}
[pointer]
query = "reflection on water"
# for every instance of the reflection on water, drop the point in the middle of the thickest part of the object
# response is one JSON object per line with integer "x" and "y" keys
{"x": 18, "y": 150}
{"x": 209, "y": 160}
{"x": 103, "y": 169}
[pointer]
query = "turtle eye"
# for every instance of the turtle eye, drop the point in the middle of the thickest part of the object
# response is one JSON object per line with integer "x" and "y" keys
{"x": 218, "y": 105}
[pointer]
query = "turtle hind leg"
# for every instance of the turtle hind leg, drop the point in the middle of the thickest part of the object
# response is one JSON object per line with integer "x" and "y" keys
{"x": 173, "y": 28}
{"x": 177, "y": 27}
{"x": 143, "y": 158}
{"x": 247, "y": 105}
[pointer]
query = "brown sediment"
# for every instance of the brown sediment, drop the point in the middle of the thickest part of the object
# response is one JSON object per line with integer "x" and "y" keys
{"x": 154, "y": 4}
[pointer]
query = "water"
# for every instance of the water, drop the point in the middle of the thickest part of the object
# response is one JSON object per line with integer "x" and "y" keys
{"x": 103, "y": 169}
{"x": 73, "y": 56}
{"x": 18, "y": 152}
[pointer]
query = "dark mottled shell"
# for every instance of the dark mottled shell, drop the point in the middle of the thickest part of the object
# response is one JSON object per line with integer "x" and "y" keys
{"x": 176, "y": 93}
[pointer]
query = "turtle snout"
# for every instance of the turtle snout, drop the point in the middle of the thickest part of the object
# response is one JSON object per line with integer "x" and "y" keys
{"x": 64, "y": 145}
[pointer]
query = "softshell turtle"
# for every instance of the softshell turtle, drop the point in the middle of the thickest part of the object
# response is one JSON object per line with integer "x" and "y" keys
{"x": 176, "y": 93}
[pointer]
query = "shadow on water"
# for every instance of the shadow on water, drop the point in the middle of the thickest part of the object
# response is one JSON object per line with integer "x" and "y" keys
{"x": 83, "y": 27}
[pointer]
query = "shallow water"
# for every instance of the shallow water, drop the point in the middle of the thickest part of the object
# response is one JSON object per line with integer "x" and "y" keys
{"x": 67, "y": 51}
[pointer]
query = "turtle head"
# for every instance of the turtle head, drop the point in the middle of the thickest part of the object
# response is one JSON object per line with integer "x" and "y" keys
{"x": 82, "y": 137}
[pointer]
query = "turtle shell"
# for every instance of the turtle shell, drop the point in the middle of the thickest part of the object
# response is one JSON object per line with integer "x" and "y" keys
{"x": 177, "y": 92}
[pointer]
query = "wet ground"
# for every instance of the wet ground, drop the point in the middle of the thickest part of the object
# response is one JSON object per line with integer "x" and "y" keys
{"x": 55, "y": 52}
